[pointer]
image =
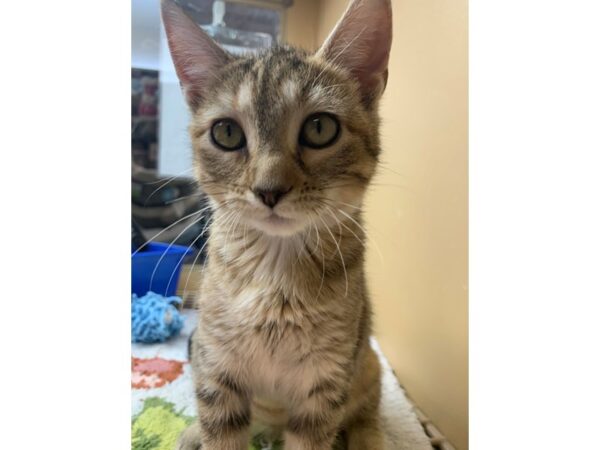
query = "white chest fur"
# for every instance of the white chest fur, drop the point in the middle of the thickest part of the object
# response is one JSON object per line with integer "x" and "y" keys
{"x": 275, "y": 340}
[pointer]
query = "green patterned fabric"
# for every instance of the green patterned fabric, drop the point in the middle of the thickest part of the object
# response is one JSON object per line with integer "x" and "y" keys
{"x": 159, "y": 424}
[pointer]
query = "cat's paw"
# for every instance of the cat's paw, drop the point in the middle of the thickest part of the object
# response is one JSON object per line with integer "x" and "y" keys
{"x": 190, "y": 438}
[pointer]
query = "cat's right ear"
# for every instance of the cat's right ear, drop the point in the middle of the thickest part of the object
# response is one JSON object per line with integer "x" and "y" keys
{"x": 196, "y": 56}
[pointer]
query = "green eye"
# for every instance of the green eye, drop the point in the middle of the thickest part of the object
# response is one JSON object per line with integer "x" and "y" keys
{"x": 227, "y": 135}
{"x": 319, "y": 131}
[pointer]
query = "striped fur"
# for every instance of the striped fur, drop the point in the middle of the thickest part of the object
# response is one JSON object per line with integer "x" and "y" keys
{"x": 285, "y": 319}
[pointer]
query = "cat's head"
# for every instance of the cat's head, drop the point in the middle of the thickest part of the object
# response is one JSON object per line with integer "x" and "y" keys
{"x": 284, "y": 139}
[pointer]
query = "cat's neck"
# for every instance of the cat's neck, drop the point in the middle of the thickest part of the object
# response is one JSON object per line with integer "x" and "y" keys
{"x": 301, "y": 264}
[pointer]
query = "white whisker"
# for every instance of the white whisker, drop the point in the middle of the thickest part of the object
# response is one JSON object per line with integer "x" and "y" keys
{"x": 340, "y": 253}
{"x": 366, "y": 234}
{"x": 344, "y": 225}
{"x": 320, "y": 247}
{"x": 169, "y": 248}
{"x": 187, "y": 280}
{"x": 160, "y": 187}
{"x": 160, "y": 180}
{"x": 180, "y": 261}
{"x": 168, "y": 228}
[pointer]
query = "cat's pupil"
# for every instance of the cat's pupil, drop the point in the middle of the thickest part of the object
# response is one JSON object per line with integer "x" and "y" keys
{"x": 229, "y": 130}
{"x": 318, "y": 125}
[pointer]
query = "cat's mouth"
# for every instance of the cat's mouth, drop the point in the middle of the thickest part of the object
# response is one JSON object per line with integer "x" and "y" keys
{"x": 278, "y": 225}
{"x": 277, "y": 220}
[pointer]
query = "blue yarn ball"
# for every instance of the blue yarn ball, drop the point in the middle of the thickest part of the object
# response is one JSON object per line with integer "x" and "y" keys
{"x": 154, "y": 318}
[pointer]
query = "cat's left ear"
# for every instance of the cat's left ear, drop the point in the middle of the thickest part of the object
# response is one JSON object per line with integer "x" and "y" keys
{"x": 361, "y": 43}
{"x": 196, "y": 56}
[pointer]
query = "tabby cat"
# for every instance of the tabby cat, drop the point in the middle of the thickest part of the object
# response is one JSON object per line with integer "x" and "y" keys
{"x": 285, "y": 143}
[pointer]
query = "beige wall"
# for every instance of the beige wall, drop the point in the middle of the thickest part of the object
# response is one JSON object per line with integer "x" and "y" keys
{"x": 301, "y": 27}
{"x": 417, "y": 212}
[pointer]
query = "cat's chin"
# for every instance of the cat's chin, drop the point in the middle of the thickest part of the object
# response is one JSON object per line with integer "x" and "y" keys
{"x": 276, "y": 225}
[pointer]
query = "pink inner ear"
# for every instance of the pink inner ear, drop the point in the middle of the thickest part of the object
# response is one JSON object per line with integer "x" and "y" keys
{"x": 372, "y": 70}
{"x": 361, "y": 43}
{"x": 197, "y": 58}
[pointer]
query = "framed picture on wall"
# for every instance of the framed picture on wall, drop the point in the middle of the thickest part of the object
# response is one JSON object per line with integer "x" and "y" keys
{"x": 144, "y": 118}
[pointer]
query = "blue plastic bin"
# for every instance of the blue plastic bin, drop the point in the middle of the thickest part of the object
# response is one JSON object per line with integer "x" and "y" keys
{"x": 145, "y": 261}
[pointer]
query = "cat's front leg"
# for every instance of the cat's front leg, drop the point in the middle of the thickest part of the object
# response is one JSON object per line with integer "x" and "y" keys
{"x": 190, "y": 438}
{"x": 314, "y": 423}
{"x": 366, "y": 434}
{"x": 224, "y": 412}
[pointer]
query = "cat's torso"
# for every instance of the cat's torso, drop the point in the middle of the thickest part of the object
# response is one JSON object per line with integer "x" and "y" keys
{"x": 272, "y": 340}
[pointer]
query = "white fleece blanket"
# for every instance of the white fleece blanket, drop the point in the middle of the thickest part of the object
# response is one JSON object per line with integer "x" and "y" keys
{"x": 163, "y": 400}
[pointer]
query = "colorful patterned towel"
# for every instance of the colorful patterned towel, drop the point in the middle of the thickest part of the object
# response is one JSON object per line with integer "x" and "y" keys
{"x": 163, "y": 400}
